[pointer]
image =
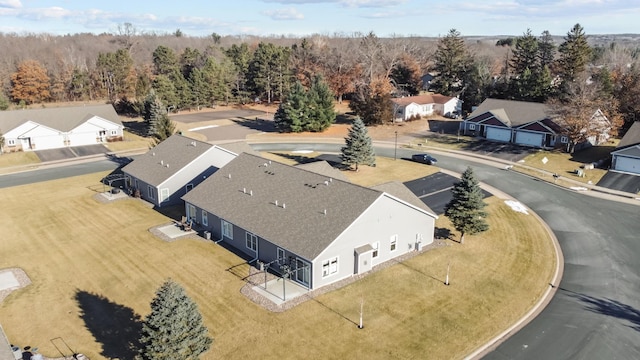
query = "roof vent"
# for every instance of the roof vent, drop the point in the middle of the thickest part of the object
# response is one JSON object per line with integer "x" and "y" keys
{"x": 284, "y": 206}
{"x": 229, "y": 176}
{"x": 265, "y": 164}
{"x": 326, "y": 182}
{"x": 153, "y": 153}
{"x": 250, "y": 192}
{"x": 193, "y": 143}
{"x": 167, "y": 165}
{"x": 161, "y": 162}
{"x": 244, "y": 190}
{"x": 324, "y": 212}
{"x": 276, "y": 202}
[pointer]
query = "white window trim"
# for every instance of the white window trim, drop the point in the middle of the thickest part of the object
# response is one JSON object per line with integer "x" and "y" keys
{"x": 11, "y": 142}
{"x": 564, "y": 139}
{"x": 151, "y": 192}
{"x": 164, "y": 194}
{"x": 114, "y": 132}
{"x": 251, "y": 241}
{"x": 227, "y": 230}
{"x": 330, "y": 267}
{"x": 188, "y": 188}
{"x": 376, "y": 250}
{"x": 472, "y": 126}
{"x": 205, "y": 218}
{"x": 393, "y": 245}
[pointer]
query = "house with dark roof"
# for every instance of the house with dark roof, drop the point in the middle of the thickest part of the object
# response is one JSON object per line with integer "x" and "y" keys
{"x": 525, "y": 123}
{"x": 410, "y": 107}
{"x": 312, "y": 227}
{"x": 173, "y": 168}
{"x": 626, "y": 156}
{"x": 51, "y": 128}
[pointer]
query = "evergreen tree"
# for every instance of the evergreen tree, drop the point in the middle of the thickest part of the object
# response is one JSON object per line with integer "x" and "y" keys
{"x": 321, "y": 107}
{"x": 465, "y": 208}
{"x": 546, "y": 49}
{"x": 4, "y": 103}
{"x": 174, "y": 329}
{"x": 575, "y": 52}
{"x": 292, "y": 114}
{"x": 358, "y": 147}
{"x": 452, "y": 61}
{"x": 164, "y": 128}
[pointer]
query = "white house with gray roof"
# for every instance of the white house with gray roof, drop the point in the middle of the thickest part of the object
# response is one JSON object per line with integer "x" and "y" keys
{"x": 321, "y": 228}
{"x": 51, "y": 128}
{"x": 173, "y": 168}
{"x": 626, "y": 157}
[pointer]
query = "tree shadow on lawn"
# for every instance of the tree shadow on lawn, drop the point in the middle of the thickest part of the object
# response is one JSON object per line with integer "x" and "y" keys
{"x": 608, "y": 307}
{"x": 115, "y": 326}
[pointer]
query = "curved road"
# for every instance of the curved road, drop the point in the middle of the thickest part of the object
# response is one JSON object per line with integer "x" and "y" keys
{"x": 595, "y": 313}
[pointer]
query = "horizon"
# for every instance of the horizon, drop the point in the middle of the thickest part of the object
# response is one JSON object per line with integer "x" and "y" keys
{"x": 301, "y": 18}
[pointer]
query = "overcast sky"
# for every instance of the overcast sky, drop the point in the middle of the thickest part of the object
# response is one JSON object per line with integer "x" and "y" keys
{"x": 306, "y": 17}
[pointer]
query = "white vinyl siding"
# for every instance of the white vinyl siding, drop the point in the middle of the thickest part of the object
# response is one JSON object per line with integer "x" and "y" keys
{"x": 164, "y": 194}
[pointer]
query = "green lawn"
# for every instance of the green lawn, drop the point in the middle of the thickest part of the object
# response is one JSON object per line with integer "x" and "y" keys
{"x": 95, "y": 268}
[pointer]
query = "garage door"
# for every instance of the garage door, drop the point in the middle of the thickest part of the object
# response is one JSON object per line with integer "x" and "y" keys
{"x": 498, "y": 134}
{"x": 529, "y": 138}
{"x": 78, "y": 139}
{"x": 627, "y": 164}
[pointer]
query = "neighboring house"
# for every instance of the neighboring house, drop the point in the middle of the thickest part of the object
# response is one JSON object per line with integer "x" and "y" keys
{"x": 409, "y": 107}
{"x": 321, "y": 228}
{"x": 626, "y": 157}
{"x": 427, "y": 80}
{"x": 173, "y": 168}
{"x": 51, "y": 128}
{"x": 524, "y": 123}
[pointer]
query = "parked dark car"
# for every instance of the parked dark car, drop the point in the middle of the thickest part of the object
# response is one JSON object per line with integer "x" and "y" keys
{"x": 424, "y": 158}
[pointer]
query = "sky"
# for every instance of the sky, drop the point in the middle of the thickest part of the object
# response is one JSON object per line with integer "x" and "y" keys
{"x": 328, "y": 17}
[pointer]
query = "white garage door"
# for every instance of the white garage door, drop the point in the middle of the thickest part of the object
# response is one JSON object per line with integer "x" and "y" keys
{"x": 78, "y": 139}
{"x": 498, "y": 134}
{"x": 529, "y": 138}
{"x": 627, "y": 164}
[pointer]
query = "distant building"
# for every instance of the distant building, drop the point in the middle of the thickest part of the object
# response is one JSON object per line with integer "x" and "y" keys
{"x": 407, "y": 108}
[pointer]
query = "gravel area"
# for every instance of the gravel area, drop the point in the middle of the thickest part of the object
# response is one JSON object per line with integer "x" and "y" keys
{"x": 20, "y": 276}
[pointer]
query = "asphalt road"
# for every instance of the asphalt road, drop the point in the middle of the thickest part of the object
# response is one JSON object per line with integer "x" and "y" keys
{"x": 596, "y": 312}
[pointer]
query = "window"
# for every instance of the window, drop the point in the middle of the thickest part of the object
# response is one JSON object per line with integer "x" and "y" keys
{"x": 205, "y": 218}
{"x": 375, "y": 247}
{"x": 330, "y": 267}
{"x": 252, "y": 242}
{"x": 11, "y": 142}
{"x": 564, "y": 139}
{"x": 191, "y": 212}
{"x": 227, "y": 230}
{"x": 114, "y": 132}
{"x": 164, "y": 194}
{"x": 280, "y": 256}
{"x": 394, "y": 243}
{"x": 472, "y": 126}
{"x": 188, "y": 188}
{"x": 151, "y": 192}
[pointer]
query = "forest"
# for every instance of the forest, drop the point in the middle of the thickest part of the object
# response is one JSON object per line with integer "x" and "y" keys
{"x": 574, "y": 74}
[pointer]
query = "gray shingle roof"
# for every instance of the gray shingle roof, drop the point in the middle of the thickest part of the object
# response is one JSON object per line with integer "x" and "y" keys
{"x": 238, "y": 147}
{"x": 397, "y": 189}
{"x": 511, "y": 112}
{"x": 324, "y": 168}
{"x": 61, "y": 118}
{"x": 298, "y": 223}
{"x": 633, "y": 150}
{"x": 177, "y": 151}
{"x": 632, "y": 136}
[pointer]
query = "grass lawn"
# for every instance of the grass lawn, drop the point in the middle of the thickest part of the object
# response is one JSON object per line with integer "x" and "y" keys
{"x": 18, "y": 158}
{"x": 131, "y": 142}
{"x": 95, "y": 267}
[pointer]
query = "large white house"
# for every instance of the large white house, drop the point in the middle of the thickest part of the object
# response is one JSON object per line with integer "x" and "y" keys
{"x": 320, "y": 228}
{"x": 51, "y": 128}
{"x": 410, "y": 107}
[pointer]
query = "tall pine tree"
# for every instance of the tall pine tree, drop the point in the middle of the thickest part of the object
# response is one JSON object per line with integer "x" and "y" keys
{"x": 292, "y": 114}
{"x": 465, "y": 208}
{"x": 321, "y": 108}
{"x": 174, "y": 329}
{"x": 575, "y": 53}
{"x": 358, "y": 147}
{"x": 452, "y": 61}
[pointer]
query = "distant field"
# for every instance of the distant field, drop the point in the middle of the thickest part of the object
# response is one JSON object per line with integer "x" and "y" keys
{"x": 95, "y": 268}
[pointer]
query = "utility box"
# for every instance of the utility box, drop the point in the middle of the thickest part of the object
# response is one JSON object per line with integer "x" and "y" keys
{"x": 207, "y": 235}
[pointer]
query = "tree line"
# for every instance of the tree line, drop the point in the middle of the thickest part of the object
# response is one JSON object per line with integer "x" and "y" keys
{"x": 366, "y": 69}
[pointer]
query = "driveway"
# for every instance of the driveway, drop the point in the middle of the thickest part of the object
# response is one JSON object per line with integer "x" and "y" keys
{"x": 435, "y": 190}
{"x": 622, "y": 182}
{"x": 70, "y": 152}
{"x": 216, "y": 115}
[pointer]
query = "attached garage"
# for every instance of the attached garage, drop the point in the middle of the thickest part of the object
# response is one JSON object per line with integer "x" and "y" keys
{"x": 627, "y": 160}
{"x": 529, "y": 138}
{"x": 498, "y": 134}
